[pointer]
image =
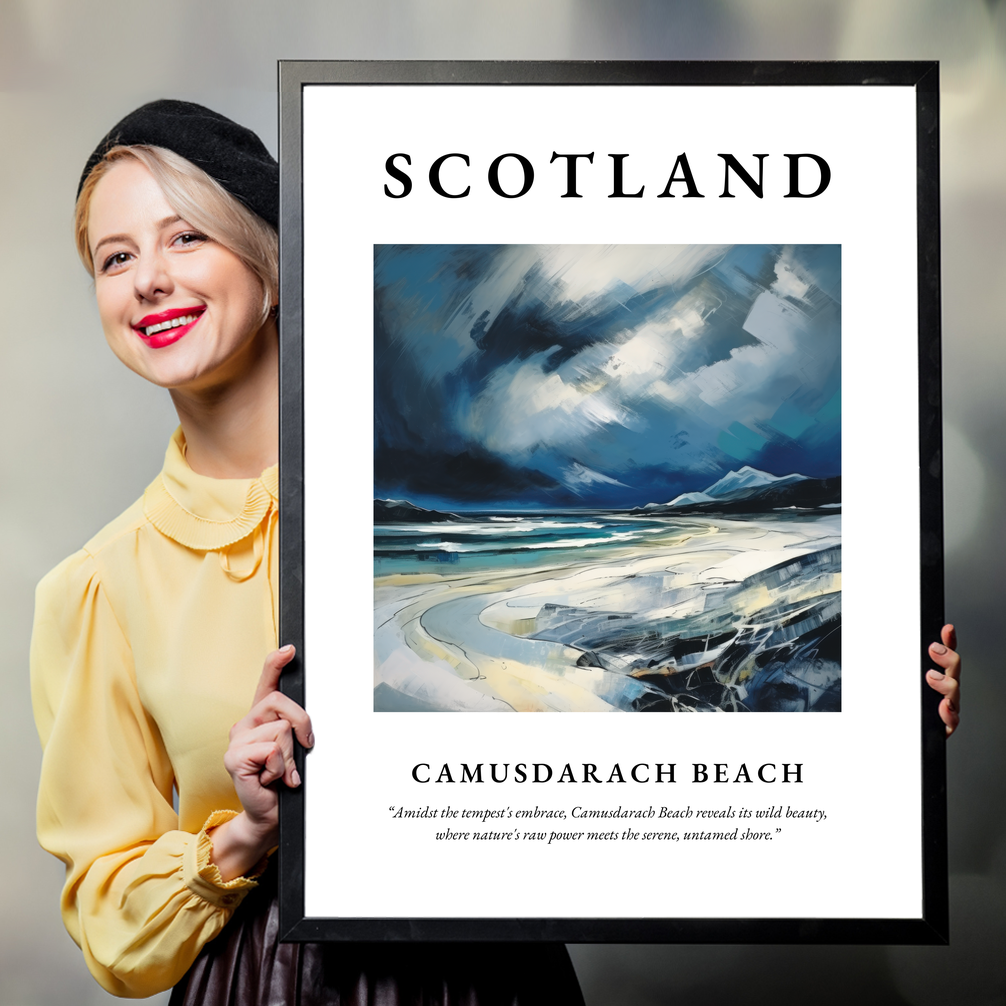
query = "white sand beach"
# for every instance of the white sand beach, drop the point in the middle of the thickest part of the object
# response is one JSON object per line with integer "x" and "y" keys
{"x": 460, "y": 641}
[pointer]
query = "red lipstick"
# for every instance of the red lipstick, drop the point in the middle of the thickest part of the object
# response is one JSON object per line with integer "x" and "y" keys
{"x": 165, "y": 333}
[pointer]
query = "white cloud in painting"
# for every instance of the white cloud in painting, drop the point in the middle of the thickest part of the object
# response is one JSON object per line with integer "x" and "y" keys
{"x": 787, "y": 283}
{"x": 645, "y": 357}
{"x": 747, "y": 386}
{"x": 582, "y": 278}
{"x": 522, "y": 407}
{"x": 579, "y": 476}
{"x": 585, "y": 274}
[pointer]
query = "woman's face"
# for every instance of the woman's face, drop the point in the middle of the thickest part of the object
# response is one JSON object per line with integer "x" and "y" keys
{"x": 177, "y": 308}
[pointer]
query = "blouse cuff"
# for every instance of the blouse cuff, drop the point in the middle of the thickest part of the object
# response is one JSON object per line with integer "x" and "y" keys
{"x": 202, "y": 876}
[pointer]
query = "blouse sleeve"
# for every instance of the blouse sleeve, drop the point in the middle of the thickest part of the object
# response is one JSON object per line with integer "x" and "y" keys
{"x": 141, "y": 898}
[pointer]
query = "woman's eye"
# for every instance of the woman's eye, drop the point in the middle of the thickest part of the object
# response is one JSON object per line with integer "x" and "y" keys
{"x": 189, "y": 238}
{"x": 114, "y": 261}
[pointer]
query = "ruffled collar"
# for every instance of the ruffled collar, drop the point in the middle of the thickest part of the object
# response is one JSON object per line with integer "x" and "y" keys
{"x": 203, "y": 513}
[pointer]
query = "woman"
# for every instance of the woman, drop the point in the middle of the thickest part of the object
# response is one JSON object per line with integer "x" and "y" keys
{"x": 148, "y": 643}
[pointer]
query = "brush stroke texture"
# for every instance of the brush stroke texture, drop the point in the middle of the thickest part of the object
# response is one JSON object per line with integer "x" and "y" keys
{"x": 600, "y": 376}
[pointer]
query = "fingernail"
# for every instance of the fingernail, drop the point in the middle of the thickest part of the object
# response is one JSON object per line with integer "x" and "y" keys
{"x": 286, "y": 649}
{"x": 938, "y": 648}
{"x": 295, "y": 777}
{"x": 936, "y": 675}
{"x": 310, "y": 740}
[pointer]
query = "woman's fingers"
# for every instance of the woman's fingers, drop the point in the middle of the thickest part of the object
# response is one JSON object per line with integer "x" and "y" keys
{"x": 275, "y": 735}
{"x": 271, "y": 671}
{"x": 949, "y": 636}
{"x": 946, "y": 656}
{"x": 261, "y": 749}
{"x": 950, "y": 716}
{"x": 948, "y": 708}
{"x": 947, "y": 681}
{"x": 260, "y": 760}
{"x": 277, "y": 706}
{"x": 948, "y": 659}
{"x": 274, "y": 766}
{"x": 270, "y": 703}
{"x": 947, "y": 686}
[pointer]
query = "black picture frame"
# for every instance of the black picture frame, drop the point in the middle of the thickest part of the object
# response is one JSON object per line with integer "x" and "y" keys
{"x": 931, "y": 927}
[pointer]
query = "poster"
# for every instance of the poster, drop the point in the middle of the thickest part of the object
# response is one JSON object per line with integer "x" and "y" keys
{"x": 621, "y": 368}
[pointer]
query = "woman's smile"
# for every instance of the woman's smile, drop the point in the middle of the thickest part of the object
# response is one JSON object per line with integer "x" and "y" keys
{"x": 166, "y": 327}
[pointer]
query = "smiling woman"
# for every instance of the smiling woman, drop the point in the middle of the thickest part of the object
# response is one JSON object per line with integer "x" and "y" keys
{"x": 148, "y": 645}
{"x": 157, "y": 278}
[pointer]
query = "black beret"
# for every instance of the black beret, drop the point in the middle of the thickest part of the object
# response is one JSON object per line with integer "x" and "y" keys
{"x": 231, "y": 154}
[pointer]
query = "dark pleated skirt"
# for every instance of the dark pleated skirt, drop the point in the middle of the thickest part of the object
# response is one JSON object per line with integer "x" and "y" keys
{"x": 246, "y": 965}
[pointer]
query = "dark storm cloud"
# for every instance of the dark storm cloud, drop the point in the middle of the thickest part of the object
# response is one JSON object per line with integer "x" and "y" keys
{"x": 604, "y": 376}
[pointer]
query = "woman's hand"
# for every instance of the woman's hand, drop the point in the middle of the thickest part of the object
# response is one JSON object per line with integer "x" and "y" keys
{"x": 260, "y": 753}
{"x": 947, "y": 682}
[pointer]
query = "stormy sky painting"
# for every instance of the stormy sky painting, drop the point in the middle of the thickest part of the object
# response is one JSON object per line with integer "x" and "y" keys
{"x": 601, "y": 376}
{"x": 607, "y": 478}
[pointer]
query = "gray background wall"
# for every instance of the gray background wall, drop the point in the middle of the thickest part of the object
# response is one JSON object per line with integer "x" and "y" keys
{"x": 82, "y": 436}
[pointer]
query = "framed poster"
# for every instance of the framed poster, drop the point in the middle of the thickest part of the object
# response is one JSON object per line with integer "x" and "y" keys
{"x": 632, "y": 371}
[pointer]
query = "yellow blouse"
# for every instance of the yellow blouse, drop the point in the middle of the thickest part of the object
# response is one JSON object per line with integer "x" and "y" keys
{"x": 147, "y": 647}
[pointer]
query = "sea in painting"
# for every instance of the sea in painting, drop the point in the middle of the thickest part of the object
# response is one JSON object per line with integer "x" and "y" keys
{"x": 607, "y": 478}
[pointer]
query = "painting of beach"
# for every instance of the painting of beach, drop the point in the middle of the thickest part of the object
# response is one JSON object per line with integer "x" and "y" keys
{"x": 607, "y": 478}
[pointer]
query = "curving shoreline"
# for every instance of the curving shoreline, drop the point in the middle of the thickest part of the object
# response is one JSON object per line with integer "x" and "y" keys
{"x": 504, "y": 639}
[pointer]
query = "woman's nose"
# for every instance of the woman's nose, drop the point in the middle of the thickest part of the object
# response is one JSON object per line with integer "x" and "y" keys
{"x": 152, "y": 277}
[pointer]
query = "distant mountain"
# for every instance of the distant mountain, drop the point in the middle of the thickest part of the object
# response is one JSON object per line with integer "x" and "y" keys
{"x": 404, "y": 512}
{"x": 681, "y": 500}
{"x": 733, "y": 484}
{"x": 752, "y": 491}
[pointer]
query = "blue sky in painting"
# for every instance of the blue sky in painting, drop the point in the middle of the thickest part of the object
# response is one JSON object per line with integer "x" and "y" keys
{"x": 601, "y": 376}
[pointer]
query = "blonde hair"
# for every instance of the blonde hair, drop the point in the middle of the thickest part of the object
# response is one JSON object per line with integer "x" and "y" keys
{"x": 199, "y": 200}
